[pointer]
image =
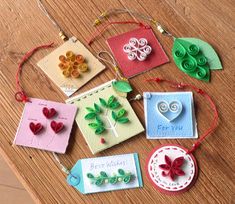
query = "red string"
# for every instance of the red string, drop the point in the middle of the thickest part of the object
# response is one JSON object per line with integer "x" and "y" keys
{"x": 212, "y": 104}
{"x": 99, "y": 32}
{"x": 20, "y": 95}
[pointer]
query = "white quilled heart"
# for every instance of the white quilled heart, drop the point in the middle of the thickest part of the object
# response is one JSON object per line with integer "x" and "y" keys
{"x": 170, "y": 111}
{"x": 137, "y": 49}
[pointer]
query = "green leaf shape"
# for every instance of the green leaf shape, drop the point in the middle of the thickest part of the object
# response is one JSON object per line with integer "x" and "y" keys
{"x": 113, "y": 179}
{"x": 122, "y": 86}
{"x": 111, "y": 99}
{"x": 93, "y": 125}
{"x": 99, "y": 181}
{"x": 127, "y": 179}
{"x": 121, "y": 172}
{"x": 99, "y": 130}
{"x": 89, "y": 175}
{"x": 114, "y": 105}
{"x": 114, "y": 115}
{"x": 90, "y": 116}
{"x": 208, "y": 51}
{"x": 190, "y": 59}
{"x": 123, "y": 120}
{"x": 103, "y": 174}
{"x": 121, "y": 113}
{"x": 99, "y": 121}
{"x": 97, "y": 108}
{"x": 89, "y": 109}
{"x": 103, "y": 102}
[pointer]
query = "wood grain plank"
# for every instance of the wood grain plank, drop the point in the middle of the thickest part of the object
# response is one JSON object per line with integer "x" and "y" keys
{"x": 24, "y": 26}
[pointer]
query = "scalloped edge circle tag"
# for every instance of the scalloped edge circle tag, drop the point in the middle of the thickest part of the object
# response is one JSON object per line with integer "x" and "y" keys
{"x": 160, "y": 178}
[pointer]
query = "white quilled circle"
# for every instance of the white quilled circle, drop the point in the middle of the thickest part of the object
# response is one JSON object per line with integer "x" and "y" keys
{"x": 164, "y": 183}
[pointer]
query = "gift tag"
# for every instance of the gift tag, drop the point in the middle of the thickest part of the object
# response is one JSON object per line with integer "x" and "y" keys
{"x": 45, "y": 125}
{"x": 109, "y": 173}
{"x": 171, "y": 170}
{"x": 170, "y": 115}
{"x": 71, "y": 65}
{"x": 137, "y": 51}
{"x": 104, "y": 117}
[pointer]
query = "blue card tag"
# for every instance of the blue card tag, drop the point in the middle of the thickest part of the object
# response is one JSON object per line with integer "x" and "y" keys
{"x": 169, "y": 115}
{"x": 109, "y": 173}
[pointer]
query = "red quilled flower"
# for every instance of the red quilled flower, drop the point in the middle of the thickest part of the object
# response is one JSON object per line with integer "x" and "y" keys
{"x": 172, "y": 169}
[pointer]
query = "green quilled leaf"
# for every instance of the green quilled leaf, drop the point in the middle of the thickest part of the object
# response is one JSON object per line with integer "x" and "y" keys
{"x": 190, "y": 59}
{"x": 91, "y": 110}
{"x": 121, "y": 172}
{"x": 114, "y": 105}
{"x": 99, "y": 182}
{"x": 114, "y": 115}
{"x": 121, "y": 113}
{"x": 113, "y": 180}
{"x": 98, "y": 120}
{"x": 103, "y": 102}
{"x": 127, "y": 179}
{"x": 122, "y": 86}
{"x": 123, "y": 120}
{"x": 99, "y": 130}
{"x": 111, "y": 100}
{"x": 93, "y": 125}
{"x": 103, "y": 174}
{"x": 208, "y": 51}
{"x": 90, "y": 116}
{"x": 89, "y": 175}
{"x": 97, "y": 108}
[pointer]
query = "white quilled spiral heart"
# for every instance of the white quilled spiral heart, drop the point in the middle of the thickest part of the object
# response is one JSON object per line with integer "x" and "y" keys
{"x": 170, "y": 111}
{"x": 137, "y": 49}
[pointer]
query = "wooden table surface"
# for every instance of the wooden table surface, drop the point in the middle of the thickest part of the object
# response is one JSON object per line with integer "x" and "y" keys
{"x": 23, "y": 26}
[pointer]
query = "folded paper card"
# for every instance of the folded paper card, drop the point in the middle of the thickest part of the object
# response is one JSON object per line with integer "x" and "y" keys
{"x": 66, "y": 69}
{"x": 169, "y": 115}
{"x": 45, "y": 125}
{"x": 105, "y": 118}
{"x": 109, "y": 173}
{"x": 137, "y": 51}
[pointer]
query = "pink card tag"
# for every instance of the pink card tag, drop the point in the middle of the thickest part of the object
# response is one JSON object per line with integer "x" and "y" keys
{"x": 46, "y": 125}
{"x": 137, "y": 51}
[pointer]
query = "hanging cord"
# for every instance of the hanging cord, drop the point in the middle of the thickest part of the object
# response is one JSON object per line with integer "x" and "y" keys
{"x": 100, "y": 31}
{"x": 203, "y": 93}
{"x": 20, "y": 95}
{"x": 44, "y": 10}
{"x": 63, "y": 168}
{"x": 112, "y": 62}
{"x": 132, "y": 13}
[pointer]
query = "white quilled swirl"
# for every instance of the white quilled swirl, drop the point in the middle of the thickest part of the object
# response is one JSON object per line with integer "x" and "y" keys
{"x": 137, "y": 49}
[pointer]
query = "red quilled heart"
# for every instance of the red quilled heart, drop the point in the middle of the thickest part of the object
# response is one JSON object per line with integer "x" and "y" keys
{"x": 49, "y": 113}
{"x": 57, "y": 127}
{"x": 35, "y": 128}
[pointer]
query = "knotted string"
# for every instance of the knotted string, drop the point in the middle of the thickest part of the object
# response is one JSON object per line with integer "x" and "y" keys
{"x": 20, "y": 95}
{"x": 203, "y": 93}
{"x": 112, "y": 62}
{"x": 98, "y": 32}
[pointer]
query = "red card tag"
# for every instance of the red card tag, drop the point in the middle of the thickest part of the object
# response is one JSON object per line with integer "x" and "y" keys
{"x": 145, "y": 52}
{"x": 171, "y": 170}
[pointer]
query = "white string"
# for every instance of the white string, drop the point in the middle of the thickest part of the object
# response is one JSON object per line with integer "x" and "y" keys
{"x": 44, "y": 10}
{"x": 63, "y": 168}
{"x": 112, "y": 62}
